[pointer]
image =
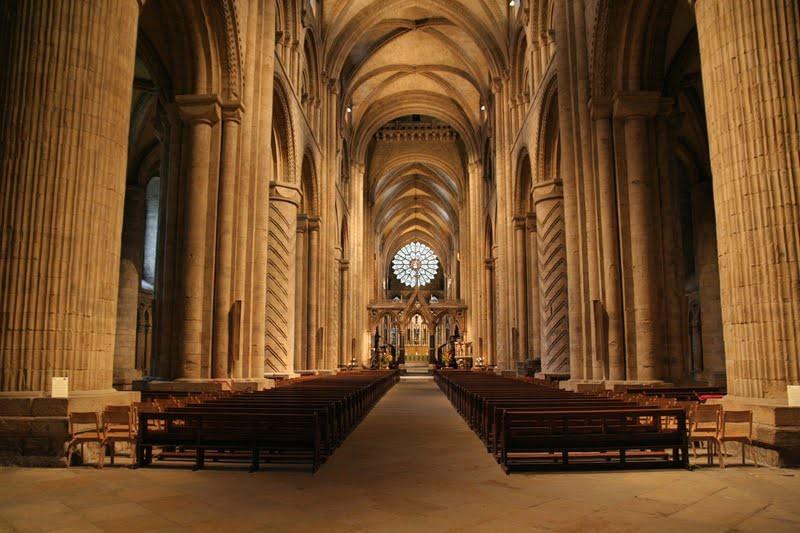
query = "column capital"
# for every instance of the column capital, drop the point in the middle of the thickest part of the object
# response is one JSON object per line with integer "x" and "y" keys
{"x": 302, "y": 223}
{"x": 232, "y": 111}
{"x": 637, "y": 104}
{"x": 519, "y": 222}
{"x": 284, "y": 192}
{"x": 548, "y": 190}
{"x": 530, "y": 220}
{"x": 194, "y": 108}
{"x": 313, "y": 223}
{"x": 344, "y": 265}
{"x": 601, "y": 108}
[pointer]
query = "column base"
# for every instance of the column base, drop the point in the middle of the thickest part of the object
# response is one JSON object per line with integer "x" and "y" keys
{"x": 123, "y": 379}
{"x": 582, "y": 385}
{"x": 559, "y": 379}
{"x": 776, "y": 428}
{"x": 622, "y": 384}
{"x": 243, "y": 384}
{"x": 34, "y": 428}
{"x": 202, "y": 385}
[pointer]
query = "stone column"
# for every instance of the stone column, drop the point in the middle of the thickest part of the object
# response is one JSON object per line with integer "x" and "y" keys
{"x": 301, "y": 294}
{"x": 548, "y": 198}
{"x": 534, "y": 308}
{"x": 66, "y": 87}
{"x": 284, "y": 199}
{"x": 488, "y": 280}
{"x": 635, "y": 109}
{"x": 223, "y": 274}
{"x": 609, "y": 238}
{"x": 707, "y": 269}
{"x": 199, "y": 113}
{"x": 521, "y": 284}
{"x": 570, "y": 173}
{"x": 313, "y": 292}
{"x": 344, "y": 328}
{"x": 750, "y": 54}
{"x": 130, "y": 279}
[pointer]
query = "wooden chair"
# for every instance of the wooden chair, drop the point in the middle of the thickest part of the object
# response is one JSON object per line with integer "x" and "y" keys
{"x": 737, "y": 426}
{"x": 704, "y": 426}
{"x": 118, "y": 427}
{"x": 143, "y": 407}
{"x": 83, "y": 428}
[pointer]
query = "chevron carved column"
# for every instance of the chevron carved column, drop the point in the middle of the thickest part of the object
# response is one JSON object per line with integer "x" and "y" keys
{"x": 284, "y": 200}
{"x": 554, "y": 308}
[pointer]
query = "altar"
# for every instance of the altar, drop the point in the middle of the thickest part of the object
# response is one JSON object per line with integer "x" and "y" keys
{"x": 417, "y": 353}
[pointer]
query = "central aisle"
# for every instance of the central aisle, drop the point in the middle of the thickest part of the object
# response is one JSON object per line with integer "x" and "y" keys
{"x": 412, "y": 431}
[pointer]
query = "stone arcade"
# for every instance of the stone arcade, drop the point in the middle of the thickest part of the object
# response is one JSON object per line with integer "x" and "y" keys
{"x": 207, "y": 195}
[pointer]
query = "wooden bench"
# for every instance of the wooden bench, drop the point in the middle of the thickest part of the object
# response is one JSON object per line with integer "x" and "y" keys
{"x": 278, "y": 436}
{"x": 531, "y": 439}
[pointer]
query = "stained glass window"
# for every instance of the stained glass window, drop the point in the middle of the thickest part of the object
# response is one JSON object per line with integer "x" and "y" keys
{"x": 415, "y": 264}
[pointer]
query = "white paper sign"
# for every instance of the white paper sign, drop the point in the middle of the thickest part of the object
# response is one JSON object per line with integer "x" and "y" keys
{"x": 793, "y": 391}
{"x": 60, "y": 388}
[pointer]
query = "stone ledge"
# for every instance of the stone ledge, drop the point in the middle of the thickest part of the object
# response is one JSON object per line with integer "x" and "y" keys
{"x": 37, "y": 435}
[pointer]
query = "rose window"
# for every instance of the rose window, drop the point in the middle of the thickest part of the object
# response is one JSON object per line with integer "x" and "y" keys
{"x": 415, "y": 264}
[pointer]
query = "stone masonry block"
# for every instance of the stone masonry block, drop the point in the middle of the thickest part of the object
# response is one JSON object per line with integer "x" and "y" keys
{"x": 15, "y": 406}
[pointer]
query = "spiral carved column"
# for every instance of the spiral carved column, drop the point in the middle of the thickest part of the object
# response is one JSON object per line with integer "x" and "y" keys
{"x": 554, "y": 313}
{"x": 279, "y": 353}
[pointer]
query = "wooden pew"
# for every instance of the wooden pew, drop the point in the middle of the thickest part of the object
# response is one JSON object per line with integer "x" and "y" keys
{"x": 548, "y": 438}
{"x": 530, "y": 425}
{"x": 302, "y": 422}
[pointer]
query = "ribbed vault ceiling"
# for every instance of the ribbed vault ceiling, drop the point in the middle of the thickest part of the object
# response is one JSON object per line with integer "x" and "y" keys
{"x": 430, "y": 58}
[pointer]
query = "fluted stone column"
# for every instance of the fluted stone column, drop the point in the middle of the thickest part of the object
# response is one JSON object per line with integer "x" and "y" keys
{"x": 534, "y": 307}
{"x": 521, "y": 283}
{"x": 223, "y": 274}
{"x": 284, "y": 199}
{"x": 548, "y": 198}
{"x": 130, "y": 279}
{"x": 635, "y": 109}
{"x": 609, "y": 236}
{"x": 65, "y": 94}
{"x": 750, "y": 54}
{"x": 199, "y": 113}
{"x": 313, "y": 293}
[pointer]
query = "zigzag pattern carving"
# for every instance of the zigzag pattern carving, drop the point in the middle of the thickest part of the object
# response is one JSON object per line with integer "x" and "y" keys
{"x": 280, "y": 288}
{"x": 553, "y": 288}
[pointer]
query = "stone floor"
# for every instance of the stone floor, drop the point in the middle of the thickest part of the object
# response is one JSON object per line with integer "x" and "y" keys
{"x": 412, "y": 465}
